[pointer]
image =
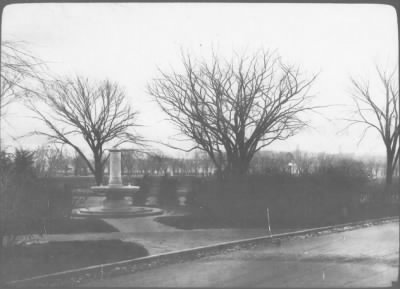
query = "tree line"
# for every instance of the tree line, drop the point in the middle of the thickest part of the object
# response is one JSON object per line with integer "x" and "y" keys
{"x": 53, "y": 161}
{"x": 229, "y": 109}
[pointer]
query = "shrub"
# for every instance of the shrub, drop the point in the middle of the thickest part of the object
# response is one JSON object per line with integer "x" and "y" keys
{"x": 341, "y": 170}
{"x": 291, "y": 199}
{"x": 22, "y": 203}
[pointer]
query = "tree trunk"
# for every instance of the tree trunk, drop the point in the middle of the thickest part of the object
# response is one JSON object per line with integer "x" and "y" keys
{"x": 389, "y": 174}
{"x": 389, "y": 168}
{"x": 240, "y": 167}
{"x": 237, "y": 169}
{"x": 98, "y": 170}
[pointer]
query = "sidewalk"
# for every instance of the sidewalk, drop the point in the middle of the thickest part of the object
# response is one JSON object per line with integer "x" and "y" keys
{"x": 158, "y": 238}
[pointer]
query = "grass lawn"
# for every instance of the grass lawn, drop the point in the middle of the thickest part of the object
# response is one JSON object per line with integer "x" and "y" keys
{"x": 22, "y": 262}
{"x": 192, "y": 222}
{"x": 72, "y": 226}
{"x": 202, "y": 221}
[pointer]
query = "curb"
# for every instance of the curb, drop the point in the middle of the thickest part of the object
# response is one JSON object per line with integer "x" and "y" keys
{"x": 82, "y": 275}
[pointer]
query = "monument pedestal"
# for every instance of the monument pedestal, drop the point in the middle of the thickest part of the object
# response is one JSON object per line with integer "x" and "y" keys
{"x": 116, "y": 203}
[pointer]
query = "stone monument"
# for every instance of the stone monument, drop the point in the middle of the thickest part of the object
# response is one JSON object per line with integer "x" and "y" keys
{"x": 116, "y": 202}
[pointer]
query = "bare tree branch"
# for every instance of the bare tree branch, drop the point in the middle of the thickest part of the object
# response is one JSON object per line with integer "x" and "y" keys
{"x": 383, "y": 118}
{"x": 20, "y": 72}
{"x": 232, "y": 110}
{"x": 95, "y": 112}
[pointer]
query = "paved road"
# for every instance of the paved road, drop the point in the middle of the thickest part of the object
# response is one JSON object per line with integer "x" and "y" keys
{"x": 358, "y": 258}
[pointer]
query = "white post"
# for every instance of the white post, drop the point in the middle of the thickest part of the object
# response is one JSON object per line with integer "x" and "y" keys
{"x": 269, "y": 226}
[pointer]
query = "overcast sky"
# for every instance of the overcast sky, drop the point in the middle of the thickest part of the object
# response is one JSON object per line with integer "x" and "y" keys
{"x": 128, "y": 42}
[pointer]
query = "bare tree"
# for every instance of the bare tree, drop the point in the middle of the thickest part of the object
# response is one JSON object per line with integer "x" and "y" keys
{"x": 95, "y": 112}
{"x": 130, "y": 161}
{"x": 374, "y": 165}
{"x": 304, "y": 162}
{"x": 79, "y": 165}
{"x": 49, "y": 160}
{"x": 202, "y": 161}
{"x": 381, "y": 117}
{"x": 19, "y": 72}
{"x": 231, "y": 110}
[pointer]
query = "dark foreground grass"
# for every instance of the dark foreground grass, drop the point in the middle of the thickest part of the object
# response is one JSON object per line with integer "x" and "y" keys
{"x": 22, "y": 262}
{"x": 191, "y": 222}
{"x": 69, "y": 226}
{"x": 196, "y": 221}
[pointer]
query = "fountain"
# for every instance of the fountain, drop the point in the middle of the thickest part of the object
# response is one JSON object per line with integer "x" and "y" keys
{"x": 116, "y": 203}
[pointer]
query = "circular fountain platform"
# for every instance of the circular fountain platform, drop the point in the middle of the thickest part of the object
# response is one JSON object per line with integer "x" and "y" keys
{"x": 116, "y": 204}
{"x": 121, "y": 212}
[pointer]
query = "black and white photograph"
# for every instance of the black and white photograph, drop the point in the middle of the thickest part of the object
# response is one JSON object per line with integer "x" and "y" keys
{"x": 199, "y": 144}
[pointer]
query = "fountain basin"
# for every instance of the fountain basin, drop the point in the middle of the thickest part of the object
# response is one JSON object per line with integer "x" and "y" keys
{"x": 117, "y": 212}
{"x": 114, "y": 192}
{"x": 117, "y": 203}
